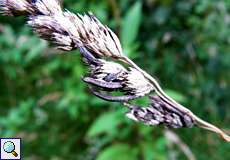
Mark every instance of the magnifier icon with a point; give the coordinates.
(9, 147)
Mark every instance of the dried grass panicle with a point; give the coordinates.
(95, 36)
(30, 7)
(55, 28)
(160, 113)
(45, 7)
(15, 7)
(112, 76)
(131, 80)
(63, 28)
(69, 31)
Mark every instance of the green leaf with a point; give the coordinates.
(176, 95)
(9, 37)
(130, 25)
(106, 123)
(118, 152)
(37, 49)
(147, 149)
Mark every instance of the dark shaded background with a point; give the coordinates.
(185, 44)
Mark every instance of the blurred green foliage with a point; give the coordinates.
(185, 44)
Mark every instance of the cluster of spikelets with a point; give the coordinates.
(63, 28)
(159, 112)
(96, 42)
(69, 31)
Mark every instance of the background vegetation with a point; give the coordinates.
(185, 44)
